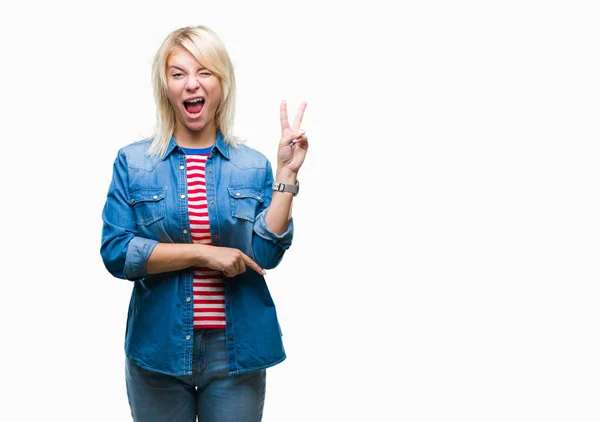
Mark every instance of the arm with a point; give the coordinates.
(274, 225)
(280, 210)
(177, 256)
(293, 146)
(123, 252)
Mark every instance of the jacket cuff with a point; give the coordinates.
(138, 252)
(284, 240)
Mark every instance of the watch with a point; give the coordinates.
(282, 187)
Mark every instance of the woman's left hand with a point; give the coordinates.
(293, 143)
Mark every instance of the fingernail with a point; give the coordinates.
(263, 272)
(301, 131)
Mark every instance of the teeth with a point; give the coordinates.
(195, 100)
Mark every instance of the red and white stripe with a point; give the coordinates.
(209, 287)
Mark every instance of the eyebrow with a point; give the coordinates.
(183, 70)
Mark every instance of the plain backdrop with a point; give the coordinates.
(445, 261)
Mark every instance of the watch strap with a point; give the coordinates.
(283, 187)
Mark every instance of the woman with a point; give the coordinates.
(193, 217)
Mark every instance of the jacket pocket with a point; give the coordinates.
(245, 201)
(148, 205)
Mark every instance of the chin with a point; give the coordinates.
(195, 127)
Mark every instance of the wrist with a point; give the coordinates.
(290, 188)
(285, 176)
(200, 258)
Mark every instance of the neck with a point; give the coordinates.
(202, 138)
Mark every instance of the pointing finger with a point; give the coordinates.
(250, 263)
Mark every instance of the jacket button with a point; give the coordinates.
(230, 337)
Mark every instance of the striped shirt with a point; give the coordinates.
(208, 285)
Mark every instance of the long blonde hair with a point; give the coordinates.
(208, 49)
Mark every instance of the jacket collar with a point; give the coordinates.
(220, 145)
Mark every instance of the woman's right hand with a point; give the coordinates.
(229, 261)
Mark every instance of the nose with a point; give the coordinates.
(192, 83)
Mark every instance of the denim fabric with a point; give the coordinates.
(147, 204)
(210, 392)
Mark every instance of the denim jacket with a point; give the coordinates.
(147, 204)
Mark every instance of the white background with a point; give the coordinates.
(445, 263)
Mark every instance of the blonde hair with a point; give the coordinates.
(208, 49)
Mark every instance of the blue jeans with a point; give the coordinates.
(209, 393)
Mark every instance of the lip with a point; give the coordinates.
(194, 98)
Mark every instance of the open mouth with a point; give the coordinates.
(194, 107)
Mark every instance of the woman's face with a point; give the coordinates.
(194, 92)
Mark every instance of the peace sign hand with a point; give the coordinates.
(294, 142)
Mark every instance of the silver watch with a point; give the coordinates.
(282, 187)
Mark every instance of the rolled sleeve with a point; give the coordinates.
(268, 246)
(138, 252)
(284, 240)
